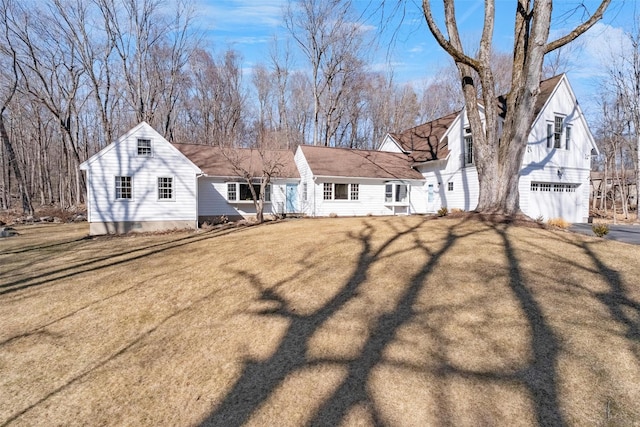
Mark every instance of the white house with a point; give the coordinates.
(348, 182)
(141, 182)
(554, 178)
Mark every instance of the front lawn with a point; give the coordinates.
(399, 321)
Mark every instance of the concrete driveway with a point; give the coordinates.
(621, 233)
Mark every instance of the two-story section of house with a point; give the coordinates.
(554, 177)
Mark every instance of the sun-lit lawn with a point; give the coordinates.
(399, 321)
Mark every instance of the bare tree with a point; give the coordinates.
(499, 154)
(9, 75)
(257, 167)
(331, 39)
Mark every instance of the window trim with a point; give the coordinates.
(150, 147)
(172, 188)
(329, 192)
(469, 157)
(236, 190)
(394, 194)
(118, 180)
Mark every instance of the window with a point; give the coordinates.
(549, 135)
(388, 193)
(231, 191)
(395, 193)
(123, 187)
(567, 137)
(553, 188)
(450, 186)
(557, 132)
(333, 191)
(468, 147)
(305, 192)
(355, 191)
(240, 192)
(341, 191)
(545, 187)
(328, 191)
(165, 188)
(534, 186)
(144, 147)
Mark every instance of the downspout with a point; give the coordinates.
(198, 175)
(314, 195)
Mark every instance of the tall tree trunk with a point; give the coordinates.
(27, 207)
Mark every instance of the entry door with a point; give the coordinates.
(431, 198)
(292, 198)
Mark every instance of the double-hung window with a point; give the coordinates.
(124, 188)
(332, 191)
(468, 150)
(165, 188)
(144, 147)
(567, 137)
(557, 132)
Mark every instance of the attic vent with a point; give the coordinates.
(467, 130)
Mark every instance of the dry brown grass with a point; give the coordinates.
(397, 321)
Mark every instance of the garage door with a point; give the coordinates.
(555, 200)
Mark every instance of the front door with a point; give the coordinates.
(431, 198)
(292, 198)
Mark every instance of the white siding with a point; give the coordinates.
(213, 198)
(388, 144)
(306, 177)
(121, 159)
(540, 164)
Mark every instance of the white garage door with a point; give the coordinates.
(554, 200)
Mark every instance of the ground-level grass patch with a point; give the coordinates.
(344, 321)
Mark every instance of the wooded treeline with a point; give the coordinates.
(76, 74)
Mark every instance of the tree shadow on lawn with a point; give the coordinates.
(622, 308)
(110, 260)
(260, 379)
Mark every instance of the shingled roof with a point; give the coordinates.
(213, 161)
(425, 142)
(344, 162)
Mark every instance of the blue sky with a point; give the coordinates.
(249, 26)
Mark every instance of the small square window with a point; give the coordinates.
(450, 186)
(144, 147)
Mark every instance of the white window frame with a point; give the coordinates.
(329, 191)
(392, 197)
(469, 157)
(171, 188)
(558, 126)
(118, 187)
(144, 148)
(235, 189)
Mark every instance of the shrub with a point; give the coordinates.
(457, 210)
(559, 223)
(333, 215)
(600, 230)
(443, 211)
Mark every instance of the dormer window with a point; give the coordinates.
(557, 132)
(144, 147)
